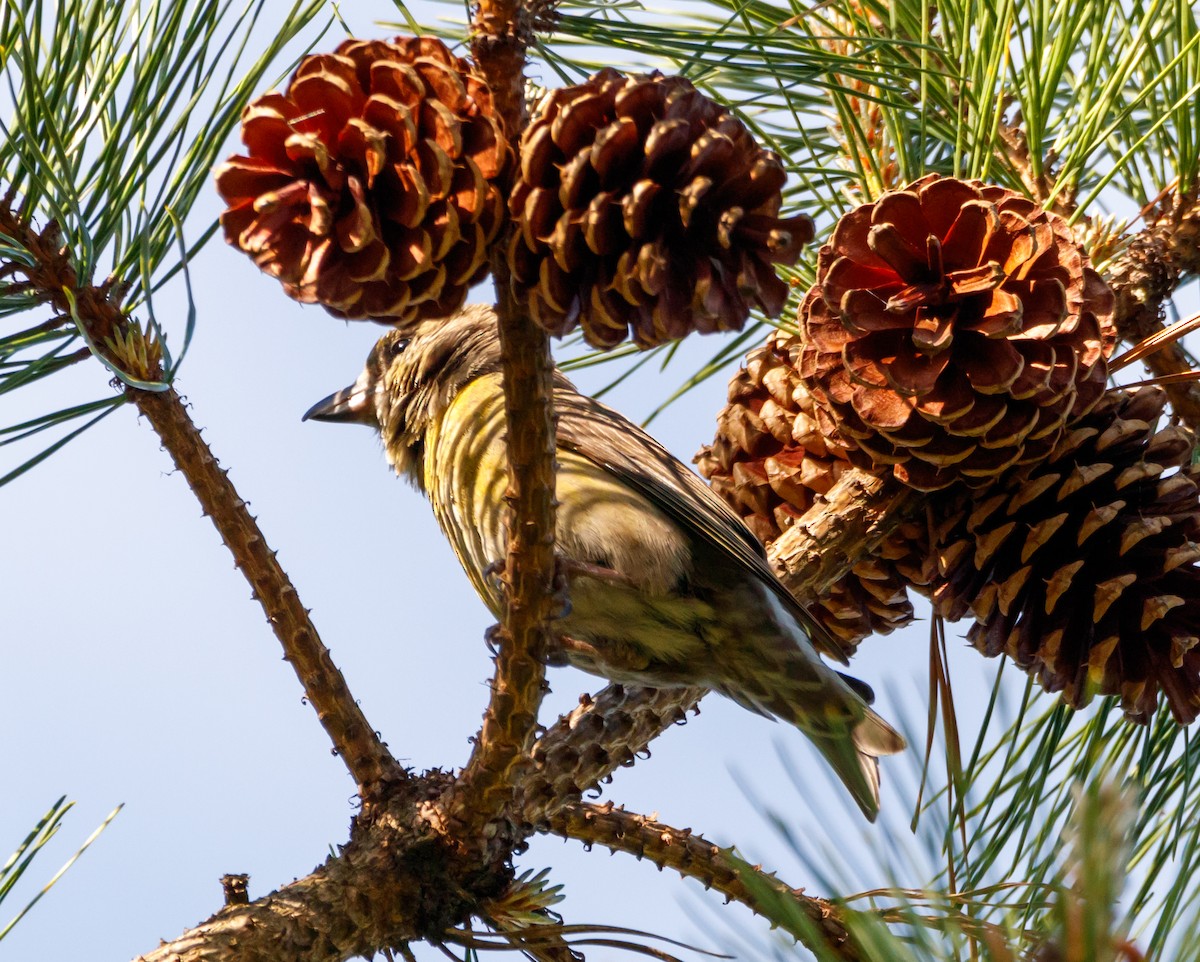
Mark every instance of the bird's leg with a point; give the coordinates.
(610, 656)
(569, 569)
(565, 571)
(605, 656)
(568, 650)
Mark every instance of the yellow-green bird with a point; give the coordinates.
(667, 586)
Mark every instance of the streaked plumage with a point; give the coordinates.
(693, 600)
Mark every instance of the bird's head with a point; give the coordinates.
(410, 379)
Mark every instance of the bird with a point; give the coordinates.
(666, 586)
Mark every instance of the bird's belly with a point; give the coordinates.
(465, 480)
(632, 636)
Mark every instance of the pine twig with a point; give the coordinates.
(842, 527)
(51, 278)
(1040, 186)
(587, 745)
(693, 856)
(486, 789)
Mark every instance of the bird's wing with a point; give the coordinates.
(607, 439)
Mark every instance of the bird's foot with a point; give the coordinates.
(566, 570)
(567, 650)
(494, 573)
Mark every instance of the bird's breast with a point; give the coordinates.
(465, 478)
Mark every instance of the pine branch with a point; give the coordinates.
(693, 856)
(405, 877)
(362, 751)
(486, 788)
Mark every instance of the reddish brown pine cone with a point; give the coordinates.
(644, 208)
(954, 331)
(370, 183)
(771, 463)
(1083, 569)
(769, 459)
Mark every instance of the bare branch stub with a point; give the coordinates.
(399, 879)
(487, 787)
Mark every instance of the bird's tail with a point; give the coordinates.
(777, 673)
(838, 720)
(854, 756)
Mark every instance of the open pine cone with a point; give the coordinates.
(771, 463)
(954, 331)
(1083, 569)
(769, 459)
(369, 184)
(644, 207)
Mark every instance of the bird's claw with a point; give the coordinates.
(494, 573)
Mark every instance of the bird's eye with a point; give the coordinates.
(398, 346)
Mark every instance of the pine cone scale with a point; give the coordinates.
(1085, 567)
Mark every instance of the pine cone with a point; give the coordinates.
(369, 185)
(769, 459)
(954, 331)
(1083, 569)
(644, 207)
(770, 462)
